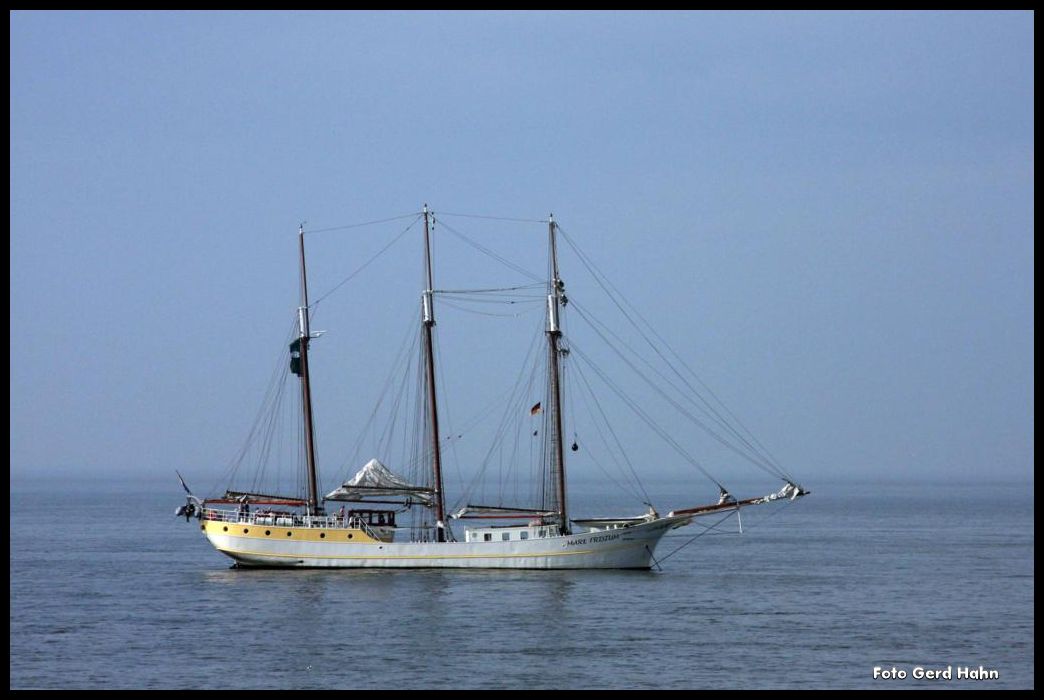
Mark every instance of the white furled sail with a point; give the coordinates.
(375, 479)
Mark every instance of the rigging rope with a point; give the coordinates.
(365, 223)
(410, 341)
(645, 417)
(505, 299)
(485, 291)
(707, 529)
(267, 409)
(754, 459)
(367, 263)
(616, 439)
(615, 296)
(486, 251)
(446, 424)
(533, 308)
(589, 318)
(518, 401)
(496, 218)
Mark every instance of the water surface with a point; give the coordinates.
(109, 590)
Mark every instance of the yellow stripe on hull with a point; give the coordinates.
(289, 534)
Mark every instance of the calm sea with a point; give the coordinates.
(110, 590)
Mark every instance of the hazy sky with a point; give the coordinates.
(830, 216)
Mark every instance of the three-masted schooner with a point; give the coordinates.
(267, 530)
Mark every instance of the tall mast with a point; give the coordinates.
(554, 332)
(428, 317)
(306, 389)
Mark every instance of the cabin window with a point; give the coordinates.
(505, 536)
(488, 537)
(543, 533)
(523, 535)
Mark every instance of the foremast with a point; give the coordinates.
(556, 298)
(428, 321)
(303, 338)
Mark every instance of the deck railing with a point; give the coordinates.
(283, 519)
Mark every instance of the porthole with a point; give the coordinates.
(268, 532)
(225, 528)
(349, 535)
(322, 535)
(246, 530)
(288, 533)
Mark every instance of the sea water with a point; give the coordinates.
(855, 586)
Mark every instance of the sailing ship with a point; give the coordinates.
(259, 529)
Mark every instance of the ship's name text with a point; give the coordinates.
(592, 538)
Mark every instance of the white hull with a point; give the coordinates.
(621, 548)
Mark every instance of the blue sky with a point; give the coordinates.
(829, 215)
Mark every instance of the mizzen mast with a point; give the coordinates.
(555, 298)
(428, 320)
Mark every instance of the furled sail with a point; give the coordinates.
(500, 512)
(375, 479)
(295, 357)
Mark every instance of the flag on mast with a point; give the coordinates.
(183, 484)
(535, 410)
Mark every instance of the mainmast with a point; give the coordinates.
(554, 299)
(428, 319)
(306, 390)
